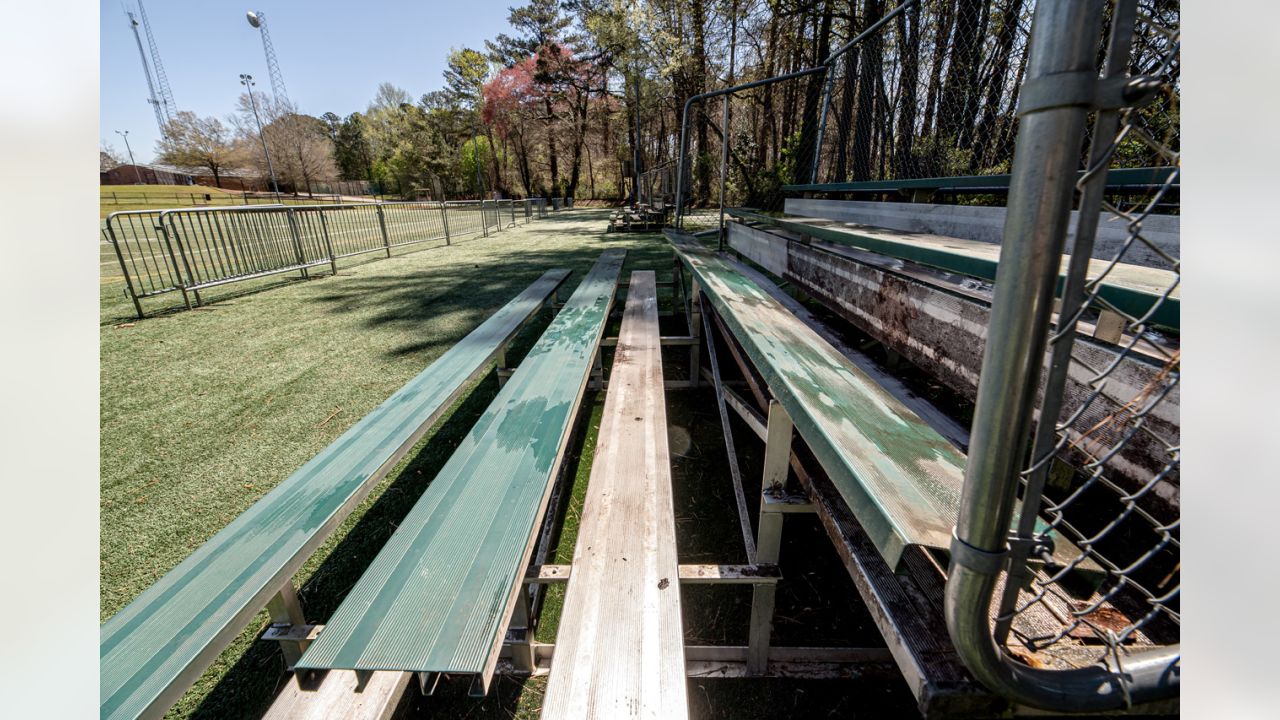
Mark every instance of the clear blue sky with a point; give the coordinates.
(332, 54)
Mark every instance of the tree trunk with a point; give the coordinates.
(698, 18)
(986, 133)
(868, 86)
(552, 159)
(962, 71)
(807, 158)
(909, 51)
(941, 42)
(844, 108)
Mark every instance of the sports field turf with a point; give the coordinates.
(203, 412)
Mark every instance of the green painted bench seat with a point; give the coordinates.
(439, 595)
(1130, 288)
(153, 649)
(900, 478)
(1117, 178)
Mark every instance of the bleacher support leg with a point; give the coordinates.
(520, 634)
(285, 608)
(695, 331)
(777, 458)
(597, 370)
(502, 369)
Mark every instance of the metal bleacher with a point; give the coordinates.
(153, 649)
(439, 596)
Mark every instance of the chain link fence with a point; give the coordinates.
(1085, 614)
(909, 101)
(1124, 529)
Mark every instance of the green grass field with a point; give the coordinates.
(203, 412)
(113, 198)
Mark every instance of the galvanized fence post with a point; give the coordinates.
(382, 225)
(297, 240)
(328, 246)
(724, 163)
(1055, 101)
(444, 218)
(128, 281)
(186, 265)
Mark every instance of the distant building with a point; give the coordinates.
(157, 174)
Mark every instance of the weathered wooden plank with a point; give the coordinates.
(339, 695)
(1130, 288)
(439, 595)
(153, 649)
(620, 649)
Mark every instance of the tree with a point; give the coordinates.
(191, 141)
(300, 147)
(108, 157)
(351, 151)
(465, 73)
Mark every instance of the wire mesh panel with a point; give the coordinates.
(350, 229)
(1118, 586)
(932, 94)
(1083, 593)
(465, 218)
(145, 258)
(224, 245)
(410, 223)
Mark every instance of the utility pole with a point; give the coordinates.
(247, 81)
(136, 171)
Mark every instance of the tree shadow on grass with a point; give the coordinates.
(472, 290)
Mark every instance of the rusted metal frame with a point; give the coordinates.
(912, 630)
(956, 346)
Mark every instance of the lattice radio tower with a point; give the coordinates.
(158, 92)
(259, 20)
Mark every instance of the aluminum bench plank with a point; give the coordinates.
(439, 595)
(1142, 178)
(152, 650)
(620, 648)
(899, 476)
(1131, 288)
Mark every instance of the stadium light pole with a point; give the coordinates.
(137, 173)
(247, 81)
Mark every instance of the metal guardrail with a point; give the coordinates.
(187, 250)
